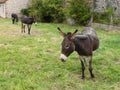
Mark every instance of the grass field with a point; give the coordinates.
(31, 62)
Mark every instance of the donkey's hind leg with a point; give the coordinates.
(83, 66)
(23, 28)
(13, 20)
(90, 66)
(29, 28)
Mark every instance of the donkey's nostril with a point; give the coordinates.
(63, 60)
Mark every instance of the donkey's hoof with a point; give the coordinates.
(82, 77)
(92, 76)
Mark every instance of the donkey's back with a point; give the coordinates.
(90, 32)
(27, 20)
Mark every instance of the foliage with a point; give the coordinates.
(79, 10)
(35, 9)
(25, 12)
(48, 10)
(58, 10)
(116, 21)
(110, 11)
(101, 17)
(105, 17)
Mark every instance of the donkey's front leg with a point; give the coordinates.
(90, 66)
(83, 67)
(29, 28)
(13, 20)
(23, 28)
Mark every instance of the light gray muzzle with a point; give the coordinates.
(63, 57)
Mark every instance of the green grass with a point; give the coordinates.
(31, 62)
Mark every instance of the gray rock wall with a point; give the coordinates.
(101, 5)
(15, 6)
(105, 27)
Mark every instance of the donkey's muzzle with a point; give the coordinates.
(63, 58)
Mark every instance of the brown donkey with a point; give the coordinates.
(84, 44)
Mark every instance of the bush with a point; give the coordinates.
(74, 11)
(79, 10)
(105, 17)
(48, 10)
(25, 12)
(59, 10)
(101, 18)
(56, 10)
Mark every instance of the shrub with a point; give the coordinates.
(48, 10)
(59, 10)
(25, 12)
(79, 10)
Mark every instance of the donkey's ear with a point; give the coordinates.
(73, 34)
(61, 32)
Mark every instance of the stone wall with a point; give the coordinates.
(101, 5)
(105, 27)
(15, 6)
(2, 10)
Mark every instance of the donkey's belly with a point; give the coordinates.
(84, 50)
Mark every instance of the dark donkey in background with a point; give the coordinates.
(14, 17)
(27, 21)
(84, 44)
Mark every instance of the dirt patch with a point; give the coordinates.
(118, 62)
(25, 48)
(1, 45)
(14, 33)
(5, 45)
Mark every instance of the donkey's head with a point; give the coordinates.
(33, 19)
(68, 45)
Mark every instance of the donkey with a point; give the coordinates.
(14, 17)
(84, 44)
(27, 21)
